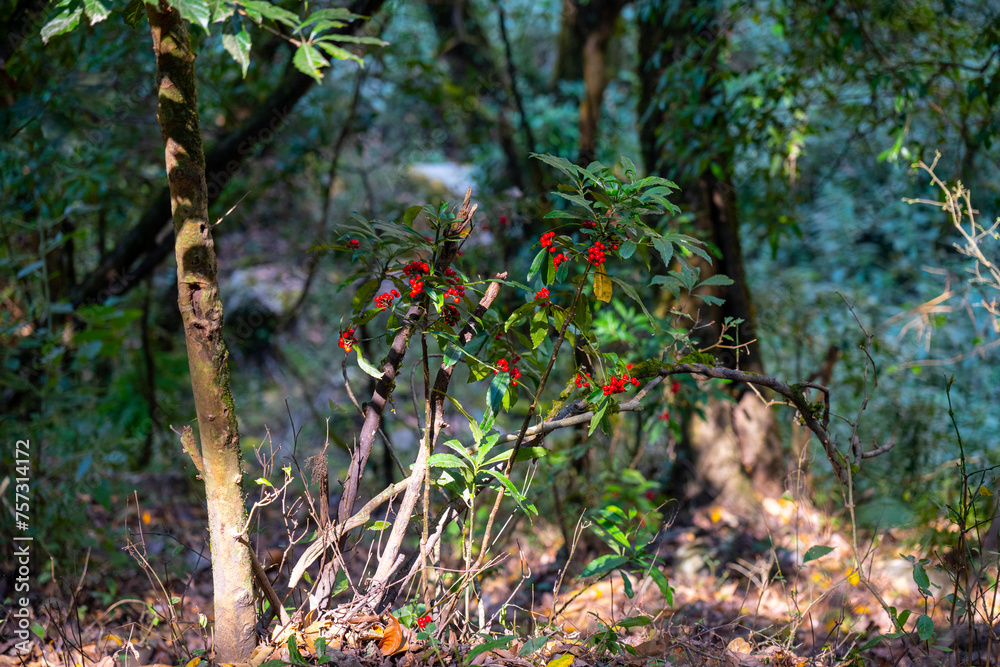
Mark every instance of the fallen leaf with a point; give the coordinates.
(392, 637)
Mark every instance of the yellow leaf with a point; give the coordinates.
(193, 662)
(716, 515)
(602, 285)
(146, 517)
(562, 661)
(983, 491)
(854, 577)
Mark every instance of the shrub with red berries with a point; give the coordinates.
(424, 621)
(384, 300)
(354, 244)
(542, 294)
(595, 254)
(581, 381)
(616, 385)
(503, 366)
(347, 339)
(450, 315)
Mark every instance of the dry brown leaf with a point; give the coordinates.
(740, 645)
(392, 637)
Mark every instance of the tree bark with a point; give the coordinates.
(201, 311)
(734, 451)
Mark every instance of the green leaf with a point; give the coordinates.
(560, 163)
(532, 645)
(512, 490)
(309, 61)
(499, 642)
(195, 11)
(717, 279)
(925, 627)
(238, 46)
(134, 13)
(66, 19)
(815, 552)
(221, 10)
(634, 622)
(665, 248)
(293, 651)
(603, 564)
(364, 295)
(335, 14)
(598, 415)
(411, 214)
(495, 394)
(632, 294)
(446, 460)
(627, 249)
(335, 51)
(96, 11)
(661, 582)
(518, 314)
(627, 583)
(920, 576)
(259, 8)
(366, 367)
(536, 263)
(357, 39)
(582, 318)
(539, 327)
(340, 582)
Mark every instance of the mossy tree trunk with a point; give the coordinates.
(733, 452)
(201, 311)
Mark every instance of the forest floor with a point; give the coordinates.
(742, 595)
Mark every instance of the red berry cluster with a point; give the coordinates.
(547, 240)
(542, 294)
(616, 385)
(595, 254)
(664, 417)
(581, 381)
(424, 621)
(450, 315)
(589, 224)
(503, 366)
(415, 271)
(353, 244)
(675, 387)
(457, 289)
(347, 340)
(384, 300)
(558, 259)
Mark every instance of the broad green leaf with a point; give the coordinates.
(516, 316)
(925, 627)
(364, 295)
(499, 642)
(512, 490)
(340, 582)
(661, 582)
(603, 287)
(411, 214)
(446, 460)
(582, 319)
(627, 249)
(815, 552)
(536, 263)
(335, 51)
(337, 14)
(494, 395)
(598, 415)
(66, 19)
(920, 577)
(96, 11)
(539, 327)
(238, 46)
(221, 10)
(717, 279)
(560, 163)
(195, 11)
(309, 61)
(665, 248)
(627, 584)
(632, 294)
(532, 645)
(260, 8)
(134, 13)
(366, 367)
(603, 564)
(477, 433)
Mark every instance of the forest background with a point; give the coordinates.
(793, 131)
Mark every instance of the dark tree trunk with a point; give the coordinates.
(734, 451)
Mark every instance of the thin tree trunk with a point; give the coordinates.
(201, 311)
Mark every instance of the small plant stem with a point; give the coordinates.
(527, 420)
